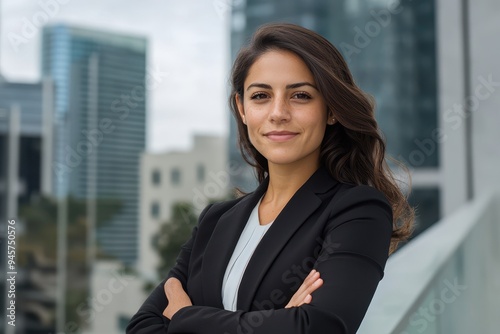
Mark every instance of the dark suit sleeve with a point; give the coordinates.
(355, 247)
(149, 318)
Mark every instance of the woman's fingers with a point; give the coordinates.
(176, 296)
(310, 283)
(313, 276)
(303, 295)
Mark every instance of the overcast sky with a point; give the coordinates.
(187, 39)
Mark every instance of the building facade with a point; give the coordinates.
(100, 116)
(25, 150)
(195, 176)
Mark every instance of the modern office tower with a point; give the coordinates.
(100, 116)
(25, 113)
(25, 149)
(391, 52)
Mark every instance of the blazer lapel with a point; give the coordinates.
(226, 234)
(294, 214)
(222, 243)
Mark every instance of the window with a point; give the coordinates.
(175, 176)
(155, 210)
(200, 173)
(156, 177)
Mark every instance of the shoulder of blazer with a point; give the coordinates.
(355, 193)
(360, 197)
(217, 209)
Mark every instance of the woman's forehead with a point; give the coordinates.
(278, 68)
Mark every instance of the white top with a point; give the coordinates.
(249, 239)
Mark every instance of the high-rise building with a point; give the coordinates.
(100, 117)
(390, 48)
(25, 150)
(25, 110)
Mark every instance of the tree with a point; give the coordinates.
(37, 250)
(173, 234)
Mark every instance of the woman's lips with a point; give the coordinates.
(280, 136)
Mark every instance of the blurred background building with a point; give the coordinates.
(25, 132)
(195, 176)
(24, 108)
(100, 117)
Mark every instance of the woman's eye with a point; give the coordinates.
(302, 96)
(258, 96)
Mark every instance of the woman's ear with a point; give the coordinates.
(330, 120)
(241, 110)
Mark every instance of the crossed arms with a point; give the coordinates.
(334, 303)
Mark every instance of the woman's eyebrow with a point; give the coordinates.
(300, 84)
(290, 86)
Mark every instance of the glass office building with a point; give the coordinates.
(26, 98)
(391, 52)
(100, 116)
(22, 139)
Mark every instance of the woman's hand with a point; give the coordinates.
(303, 295)
(177, 297)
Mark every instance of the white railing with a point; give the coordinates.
(447, 280)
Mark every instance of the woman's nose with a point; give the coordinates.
(279, 111)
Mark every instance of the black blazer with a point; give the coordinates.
(341, 230)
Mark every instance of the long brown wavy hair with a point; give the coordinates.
(353, 148)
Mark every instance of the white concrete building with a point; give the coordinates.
(114, 300)
(194, 176)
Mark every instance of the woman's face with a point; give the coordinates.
(284, 112)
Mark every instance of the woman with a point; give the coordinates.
(305, 251)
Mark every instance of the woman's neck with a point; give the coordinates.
(285, 180)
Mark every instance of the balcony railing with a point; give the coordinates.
(447, 280)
